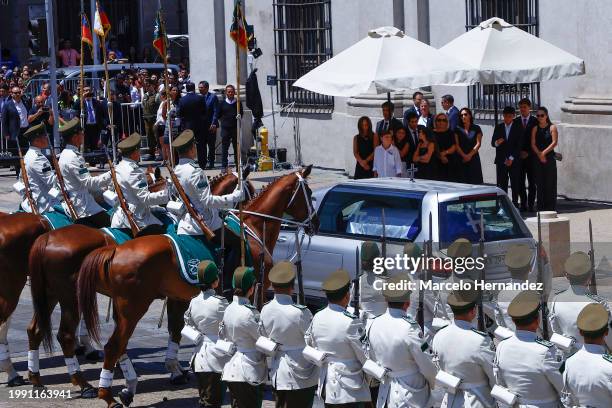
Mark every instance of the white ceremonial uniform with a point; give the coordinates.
(194, 182)
(133, 183)
(394, 343)
(241, 327)
(587, 378)
(80, 183)
(565, 308)
(461, 350)
(42, 179)
(205, 314)
(372, 303)
(433, 305)
(337, 332)
(285, 323)
(500, 307)
(530, 367)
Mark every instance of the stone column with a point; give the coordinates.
(203, 51)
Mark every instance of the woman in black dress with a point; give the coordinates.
(448, 169)
(424, 156)
(363, 148)
(468, 137)
(401, 142)
(544, 138)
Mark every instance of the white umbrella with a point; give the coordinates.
(386, 60)
(505, 54)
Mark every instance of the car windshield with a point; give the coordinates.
(461, 219)
(358, 212)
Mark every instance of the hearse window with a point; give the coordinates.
(357, 212)
(461, 219)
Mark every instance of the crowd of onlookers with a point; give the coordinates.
(445, 147)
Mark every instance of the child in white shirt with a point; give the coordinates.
(387, 160)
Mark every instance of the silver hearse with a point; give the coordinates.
(351, 212)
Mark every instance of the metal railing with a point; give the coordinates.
(302, 41)
(487, 101)
(34, 86)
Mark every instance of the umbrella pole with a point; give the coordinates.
(495, 107)
(389, 97)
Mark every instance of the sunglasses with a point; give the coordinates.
(441, 120)
(465, 114)
(541, 115)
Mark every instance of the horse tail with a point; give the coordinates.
(94, 264)
(38, 286)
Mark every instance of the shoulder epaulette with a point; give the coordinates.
(483, 334)
(318, 310)
(544, 342)
(596, 298)
(134, 165)
(250, 306)
(349, 314)
(46, 169)
(409, 319)
(202, 183)
(195, 164)
(83, 171)
(608, 357)
(301, 307)
(220, 297)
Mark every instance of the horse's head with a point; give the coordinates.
(300, 205)
(225, 183)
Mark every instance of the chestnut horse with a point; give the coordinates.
(137, 272)
(55, 260)
(17, 234)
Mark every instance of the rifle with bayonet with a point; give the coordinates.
(424, 276)
(122, 201)
(298, 267)
(383, 242)
(259, 292)
(481, 241)
(593, 285)
(356, 294)
(60, 181)
(26, 181)
(543, 303)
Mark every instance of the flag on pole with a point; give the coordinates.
(160, 40)
(238, 30)
(101, 22)
(86, 35)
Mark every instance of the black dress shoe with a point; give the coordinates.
(17, 382)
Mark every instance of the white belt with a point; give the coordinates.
(402, 373)
(246, 350)
(468, 386)
(290, 348)
(210, 338)
(330, 359)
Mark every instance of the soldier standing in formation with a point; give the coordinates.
(245, 373)
(588, 373)
(465, 353)
(293, 378)
(337, 333)
(78, 181)
(527, 365)
(205, 313)
(393, 341)
(371, 301)
(132, 180)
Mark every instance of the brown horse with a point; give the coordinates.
(137, 272)
(17, 234)
(55, 260)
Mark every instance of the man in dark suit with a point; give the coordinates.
(15, 119)
(389, 122)
(96, 118)
(526, 122)
(448, 104)
(412, 134)
(192, 111)
(417, 97)
(508, 142)
(206, 148)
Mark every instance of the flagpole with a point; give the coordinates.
(81, 79)
(162, 28)
(109, 104)
(238, 153)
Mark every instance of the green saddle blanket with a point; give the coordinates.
(233, 224)
(189, 251)
(57, 219)
(119, 235)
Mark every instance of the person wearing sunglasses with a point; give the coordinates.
(15, 118)
(507, 141)
(544, 138)
(449, 169)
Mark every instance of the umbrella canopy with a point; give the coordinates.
(386, 60)
(505, 54)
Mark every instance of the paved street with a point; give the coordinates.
(147, 345)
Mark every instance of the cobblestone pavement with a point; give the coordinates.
(147, 345)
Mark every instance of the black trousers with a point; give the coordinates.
(512, 174)
(228, 136)
(302, 398)
(546, 181)
(210, 389)
(231, 259)
(149, 126)
(92, 136)
(245, 395)
(98, 220)
(528, 193)
(206, 148)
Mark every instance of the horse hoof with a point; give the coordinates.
(180, 379)
(126, 397)
(94, 356)
(17, 382)
(89, 392)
